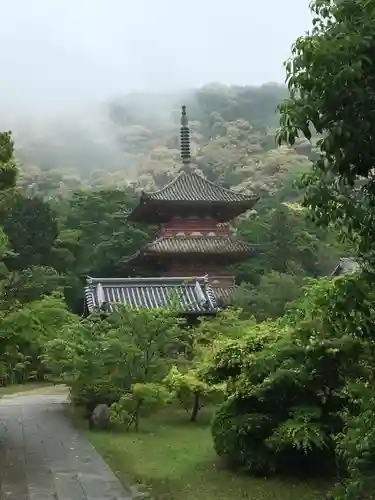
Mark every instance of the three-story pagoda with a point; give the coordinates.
(194, 243)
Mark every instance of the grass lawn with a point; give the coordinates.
(29, 387)
(176, 461)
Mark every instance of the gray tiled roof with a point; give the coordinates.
(195, 294)
(223, 295)
(194, 187)
(346, 265)
(198, 244)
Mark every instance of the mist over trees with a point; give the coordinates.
(134, 138)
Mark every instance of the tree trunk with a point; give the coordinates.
(137, 415)
(195, 410)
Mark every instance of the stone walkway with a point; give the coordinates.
(42, 456)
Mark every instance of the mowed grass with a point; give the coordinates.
(28, 387)
(175, 461)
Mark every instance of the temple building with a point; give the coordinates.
(193, 246)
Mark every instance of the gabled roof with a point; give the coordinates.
(192, 187)
(194, 294)
(198, 244)
(346, 265)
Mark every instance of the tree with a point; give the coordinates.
(270, 297)
(29, 285)
(142, 400)
(94, 239)
(191, 391)
(103, 234)
(101, 358)
(24, 333)
(8, 170)
(331, 76)
(288, 382)
(31, 228)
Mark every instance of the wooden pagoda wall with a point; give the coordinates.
(218, 276)
(186, 227)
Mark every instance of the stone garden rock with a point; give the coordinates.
(99, 419)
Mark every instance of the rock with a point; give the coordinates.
(99, 418)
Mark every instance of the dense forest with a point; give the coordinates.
(289, 368)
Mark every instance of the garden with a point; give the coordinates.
(231, 406)
(271, 400)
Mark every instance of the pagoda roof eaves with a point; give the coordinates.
(194, 293)
(193, 187)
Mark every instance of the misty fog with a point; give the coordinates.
(62, 61)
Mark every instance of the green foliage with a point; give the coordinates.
(330, 78)
(95, 238)
(303, 430)
(31, 228)
(356, 444)
(289, 248)
(28, 285)
(24, 334)
(226, 324)
(191, 391)
(270, 297)
(8, 170)
(142, 400)
(101, 358)
(287, 381)
(4, 243)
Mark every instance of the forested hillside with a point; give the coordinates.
(136, 138)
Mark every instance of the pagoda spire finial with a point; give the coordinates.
(185, 139)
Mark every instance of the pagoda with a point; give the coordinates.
(194, 236)
(193, 246)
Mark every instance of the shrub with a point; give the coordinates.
(239, 437)
(141, 401)
(192, 392)
(356, 444)
(25, 331)
(288, 383)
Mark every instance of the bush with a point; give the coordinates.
(288, 383)
(192, 392)
(239, 435)
(141, 401)
(25, 331)
(89, 395)
(356, 444)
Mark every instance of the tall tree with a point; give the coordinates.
(8, 170)
(31, 228)
(331, 79)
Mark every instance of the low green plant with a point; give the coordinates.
(142, 400)
(191, 391)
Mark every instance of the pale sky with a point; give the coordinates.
(64, 51)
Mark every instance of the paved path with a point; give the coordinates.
(42, 456)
